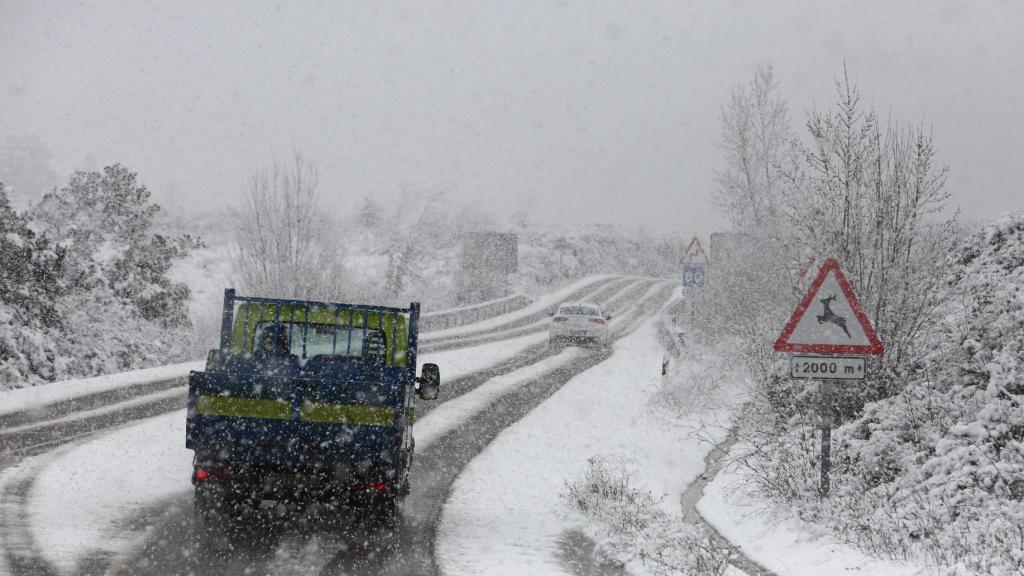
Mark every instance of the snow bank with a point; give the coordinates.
(510, 523)
(777, 539)
(25, 399)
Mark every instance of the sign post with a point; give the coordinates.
(832, 345)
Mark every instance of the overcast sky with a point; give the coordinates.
(571, 111)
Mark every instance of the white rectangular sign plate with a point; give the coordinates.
(822, 367)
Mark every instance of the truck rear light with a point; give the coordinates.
(203, 475)
(560, 318)
(597, 320)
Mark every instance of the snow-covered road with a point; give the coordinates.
(80, 514)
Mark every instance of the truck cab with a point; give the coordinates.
(306, 402)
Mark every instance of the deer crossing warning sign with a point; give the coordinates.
(829, 319)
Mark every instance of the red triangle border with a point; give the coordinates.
(700, 250)
(874, 348)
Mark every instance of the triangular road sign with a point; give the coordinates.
(694, 254)
(838, 326)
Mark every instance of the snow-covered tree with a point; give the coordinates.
(104, 221)
(30, 269)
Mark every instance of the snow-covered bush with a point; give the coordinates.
(945, 459)
(84, 287)
(104, 221)
(30, 269)
(629, 527)
(936, 471)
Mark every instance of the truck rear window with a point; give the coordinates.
(318, 341)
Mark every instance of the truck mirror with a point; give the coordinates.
(429, 381)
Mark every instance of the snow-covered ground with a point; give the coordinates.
(780, 541)
(83, 498)
(511, 522)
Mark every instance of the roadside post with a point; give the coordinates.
(830, 347)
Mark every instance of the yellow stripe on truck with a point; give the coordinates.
(243, 407)
(347, 414)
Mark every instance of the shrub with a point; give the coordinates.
(631, 527)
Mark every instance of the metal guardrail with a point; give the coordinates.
(475, 313)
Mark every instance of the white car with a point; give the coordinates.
(581, 323)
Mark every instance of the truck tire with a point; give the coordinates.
(388, 511)
(212, 519)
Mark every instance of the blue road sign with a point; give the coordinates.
(693, 275)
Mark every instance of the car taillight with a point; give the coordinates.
(372, 486)
(560, 318)
(597, 320)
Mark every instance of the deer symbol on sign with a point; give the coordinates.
(832, 317)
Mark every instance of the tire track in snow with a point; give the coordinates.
(20, 553)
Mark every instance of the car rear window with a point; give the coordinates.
(579, 311)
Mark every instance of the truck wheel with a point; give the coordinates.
(388, 511)
(212, 519)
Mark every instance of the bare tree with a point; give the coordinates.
(873, 198)
(284, 248)
(756, 140)
(867, 194)
(750, 288)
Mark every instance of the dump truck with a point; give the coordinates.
(305, 404)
